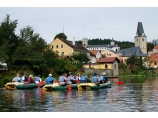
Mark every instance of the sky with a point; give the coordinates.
(84, 20)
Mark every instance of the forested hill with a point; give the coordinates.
(121, 44)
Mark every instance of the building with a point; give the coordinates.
(108, 65)
(128, 52)
(140, 39)
(101, 48)
(97, 54)
(66, 48)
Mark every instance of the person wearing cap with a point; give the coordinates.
(105, 78)
(95, 79)
(102, 78)
(49, 79)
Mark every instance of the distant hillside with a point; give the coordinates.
(122, 45)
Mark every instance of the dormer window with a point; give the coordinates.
(142, 39)
(56, 46)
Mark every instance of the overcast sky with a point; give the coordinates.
(119, 23)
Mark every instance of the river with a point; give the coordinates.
(134, 95)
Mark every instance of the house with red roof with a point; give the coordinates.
(155, 49)
(97, 55)
(107, 64)
(153, 60)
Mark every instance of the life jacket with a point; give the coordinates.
(83, 78)
(101, 77)
(61, 79)
(94, 79)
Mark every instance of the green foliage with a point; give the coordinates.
(121, 66)
(141, 63)
(79, 57)
(133, 60)
(61, 36)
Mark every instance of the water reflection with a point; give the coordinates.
(134, 95)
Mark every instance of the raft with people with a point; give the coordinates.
(97, 82)
(56, 87)
(93, 86)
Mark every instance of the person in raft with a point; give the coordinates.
(71, 79)
(62, 80)
(49, 79)
(17, 78)
(83, 78)
(30, 79)
(95, 79)
(38, 79)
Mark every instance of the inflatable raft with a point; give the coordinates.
(56, 86)
(26, 86)
(93, 86)
(11, 85)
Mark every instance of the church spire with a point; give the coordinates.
(140, 30)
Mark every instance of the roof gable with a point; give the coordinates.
(94, 52)
(108, 60)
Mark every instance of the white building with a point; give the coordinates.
(101, 48)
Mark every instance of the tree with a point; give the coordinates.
(140, 63)
(133, 60)
(79, 57)
(150, 46)
(8, 40)
(154, 42)
(61, 36)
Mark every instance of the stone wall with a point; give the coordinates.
(108, 72)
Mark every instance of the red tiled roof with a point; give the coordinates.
(94, 51)
(108, 59)
(155, 47)
(154, 57)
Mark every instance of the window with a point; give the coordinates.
(137, 39)
(56, 46)
(62, 46)
(62, 53)
(52, 46)
(106, 66)
(114, 66)
(109, 54)
(155, 63)
(142, 39)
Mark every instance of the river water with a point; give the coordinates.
(134, 95)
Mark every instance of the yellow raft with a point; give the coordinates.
(11, 85)
(56, 86)
(93, 86)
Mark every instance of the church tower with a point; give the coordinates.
(140, 39)
(85, 42)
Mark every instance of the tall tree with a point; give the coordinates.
(8, 39)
